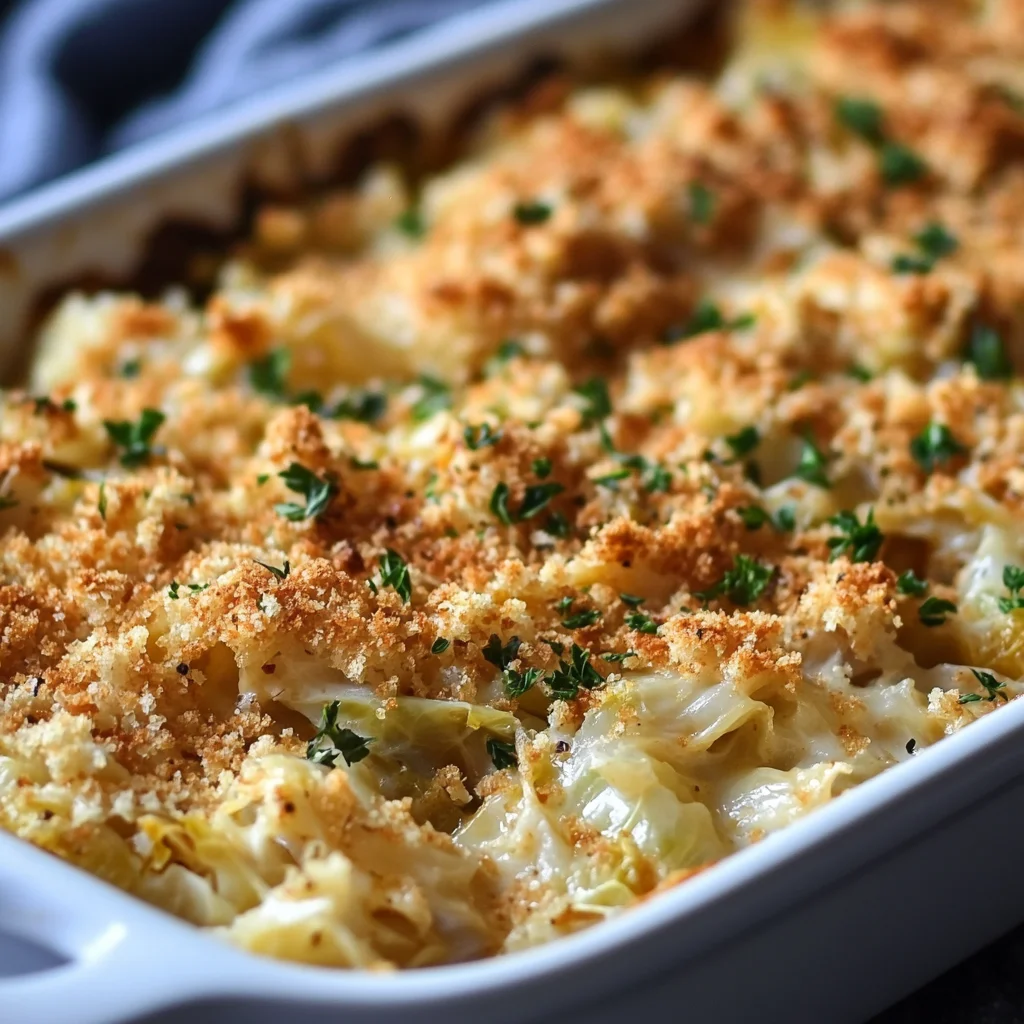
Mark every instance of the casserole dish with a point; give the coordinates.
(754, 916)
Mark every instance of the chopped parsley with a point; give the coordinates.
(558, 526)
(754, 517)
(862, 117)
(611, 480)
(986, 350)
(440, 645)
(706, 317)
(582, 619)
(933, 242)
(933, 611)
(173, 591)
(530, 212)
(642, 623)
(501, 655)
(632, 600)
(436, 396)
(657, 479)
(502, 754)
(743, 584)
(994, 690)
(900, 165)
(330, 740)
(269, 375)
(542, 467)
(281, 573)
(785, 519)
(935, 446)
(535, 498)
(744, 441)
(861, 541)
(410, 223)
(135, 438)
(482, 436)
(516, 683)
(617, 657)
(394, 573)
(363, 406)
(565, 682)
(1013, 580)
(908, 583)
(812, 464)
(507, 351)
(317, 492)
(702, 203)
(595, 394)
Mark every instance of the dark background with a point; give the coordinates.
(154, 41)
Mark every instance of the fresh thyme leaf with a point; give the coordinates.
(743, 584)
(499, 503)
(502, 754)
(563, 604)
(861, 541)
(101, 505)
(339, 740)
(357, 463)
(908, 583)
(986, 350)
(281, 573)
(908, 264)
(611, 480)
(994, 690)
(174, 590)
(542, 467)
(558, 526)
(317, 492)
(744, 441)
(535, 498)
(702, 203)
(595, 394)
(530, 212)
(482, 436)
(135, 438)
(394, 573)
(753, 516)
(131, 368)
(859, 372)
(269, 375)
(862, 117)
(632, 600)
(501, 655)
(935, 446)
(657, 479)
(933, 611)
(582, 619)
(785, 519)
(900, 165)
(565, 682)
(641, 623)
(435, 398)
(812, 465)
(800, 378)
(440, 645)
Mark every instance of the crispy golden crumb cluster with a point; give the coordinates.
(489, 554)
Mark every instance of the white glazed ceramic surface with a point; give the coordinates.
(828, 920)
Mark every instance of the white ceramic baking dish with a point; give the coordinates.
(827, 921)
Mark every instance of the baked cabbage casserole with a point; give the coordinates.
(484, 557)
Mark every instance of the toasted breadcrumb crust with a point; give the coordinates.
(741, 267)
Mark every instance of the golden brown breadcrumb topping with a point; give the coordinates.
(595, 507)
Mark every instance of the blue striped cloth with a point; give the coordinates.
(80, 78)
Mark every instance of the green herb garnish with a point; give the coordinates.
(862, 117)
(900, 165)
(410, 223)
(986, 350)
(861, 541)
(935, 446)
(933, 611)
(269, 375)
(581, 620)
(908, 583)
(702, 203)
(501, 655)
(994, 690)
(642, 623)
(135, 438)
(435, 398)
(1013, 580)
(440, 645)
(595, 394)
(565, 682)
(482, 436)
(530, 212)
(813, 462)
(743, 584)
(394, 573)
(317, 492)
(502, 754)
(542, 467)
(744, 441)
(351, 746)
(281, 573)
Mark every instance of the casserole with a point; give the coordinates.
(720, 915)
